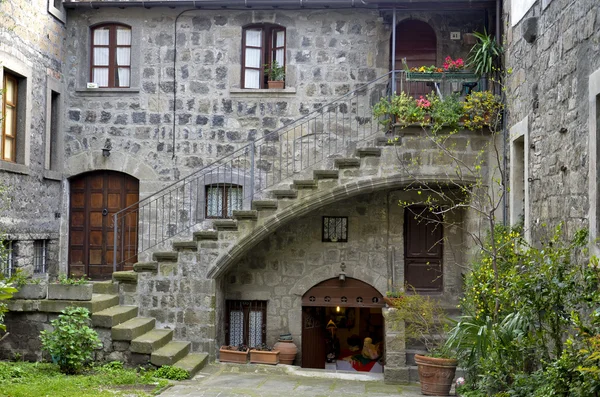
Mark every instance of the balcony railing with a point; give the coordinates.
(420, 84)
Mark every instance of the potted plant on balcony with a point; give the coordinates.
(484, 57)
(401, 110)
(483, 109)
(425, 322)
(264, 355)
(233, 354)
(75, 289)
(275, 75)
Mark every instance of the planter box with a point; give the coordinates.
(262, 357)
(81, 292)
(31, 291)
(233, 356)
(275, 84)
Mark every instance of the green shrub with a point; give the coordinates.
(173, 373)
(64, 280)
(72, 341)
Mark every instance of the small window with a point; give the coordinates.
(52, 131)
(262, 44)
(7, 259)
(246, 323)
(335, 229)
(10, 117)
(222, 200)
(40, 256)
(111, 56)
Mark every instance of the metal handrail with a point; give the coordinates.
(258, 165)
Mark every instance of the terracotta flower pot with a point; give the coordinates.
(435, 374)
(287, 351)
(264, 357)
(232, 356)
(278, 84)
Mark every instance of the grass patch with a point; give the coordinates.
(110, 380)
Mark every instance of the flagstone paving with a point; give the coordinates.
(251, 380)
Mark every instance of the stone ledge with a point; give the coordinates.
(253, 92)
(14, 167)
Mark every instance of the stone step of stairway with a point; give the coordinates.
(251, 215)
(261, 205)
(288, 194)
(98, 303)
(206, 235)
(225, 224)
(127, 277)
(133, 328)
(151, 341)
(115, 315)
(326, 174)
(105, 287)
(141, 267)
(166, 256)
(369, 152)
(185, 245)
(347, 162)
(192, 363)
(170, 353)
(305, 184)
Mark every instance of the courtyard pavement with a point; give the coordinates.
(255, 380)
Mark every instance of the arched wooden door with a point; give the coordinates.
(95, 197)
(351, 293)
(415, 41)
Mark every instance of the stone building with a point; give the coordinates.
(226, 211)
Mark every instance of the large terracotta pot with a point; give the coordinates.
(435, 374)
(287, 351)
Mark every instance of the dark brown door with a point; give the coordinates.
(423, 250)
(94, 198)
(313, 337)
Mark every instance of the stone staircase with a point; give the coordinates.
(139, 335)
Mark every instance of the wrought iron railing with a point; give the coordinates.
(442, 84)
(234, 180)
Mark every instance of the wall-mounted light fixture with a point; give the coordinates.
(342, 276)
(107, 148)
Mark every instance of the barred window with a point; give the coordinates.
(246, 323)
(335, 229)
(222, 200)
(40, 256)
(7, 261)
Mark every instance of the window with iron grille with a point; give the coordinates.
(40, 256)
(246, 323)
(7, 259)
(222, 200)
(335, 229)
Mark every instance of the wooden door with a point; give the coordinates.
(313, 337)
(95, 197)
(423, 250)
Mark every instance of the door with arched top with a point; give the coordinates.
(94, 198)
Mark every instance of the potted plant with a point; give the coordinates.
(233, 354)
(76, 289)
(287, 349)
(483, 109)
(275, 75)
(264, 355)
(28, 287)
(401, 109)
(484, 57)
(426, 323)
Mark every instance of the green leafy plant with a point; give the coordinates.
(446, 112)
(483, 109)
(6, 292)
(275, 71)
(484, 57)
(401, 109)
(172, 373)
(64, 280)
(71, 342)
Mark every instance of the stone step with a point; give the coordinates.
(245, 215)
(261, 205)
(225, 224)
(206, 235)
(98, 303)
(281, 194)
(326, 174)
(185, 245)
(112, 316)
(305, 184)
(133, 328)
(127, 277)
(166, 256)
(141, 267)
(106, 287)
(369, 152)
(347, 162)
(170, 353)
(192, 363)
(151, 341)
(381, 141)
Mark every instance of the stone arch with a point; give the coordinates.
(401, 20)
(359, 293)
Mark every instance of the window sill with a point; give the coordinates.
(262, 92)
(14, 168)
(52, 175)
(104, 91)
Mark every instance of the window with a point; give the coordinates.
(335, 229)
(222, 200)
(7, 259)
(10, 117)
(246, 323)
(111, 56)
(40, 256)
(261, 45)
(52, 130)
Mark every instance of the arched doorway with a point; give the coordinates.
(337, 317)
(94, 198)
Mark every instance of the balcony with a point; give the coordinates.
(417, 84)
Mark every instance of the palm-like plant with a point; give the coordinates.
(485, 55)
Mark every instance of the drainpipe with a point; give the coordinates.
(393, 55)
(504, 130)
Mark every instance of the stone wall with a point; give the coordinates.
(549, 88)
(31, 47)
